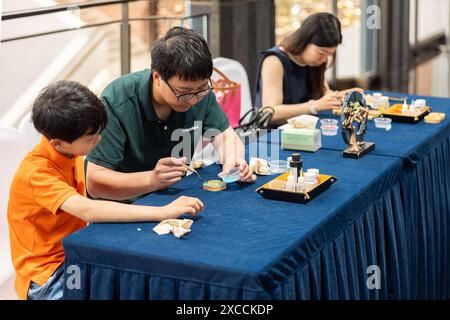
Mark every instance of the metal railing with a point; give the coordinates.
(125, 26)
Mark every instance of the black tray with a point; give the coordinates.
(389, 113)
(299, 197)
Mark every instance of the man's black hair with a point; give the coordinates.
(67, 110)
(183, 52)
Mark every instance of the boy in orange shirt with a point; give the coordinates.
(48, 198)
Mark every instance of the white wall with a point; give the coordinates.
(349, 53)
(433, 18)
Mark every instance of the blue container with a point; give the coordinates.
(233, 176)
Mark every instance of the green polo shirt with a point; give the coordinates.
(135, 138)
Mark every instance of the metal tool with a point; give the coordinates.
(194, 171)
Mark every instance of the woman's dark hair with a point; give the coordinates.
(67, 110)
(183, 52)
(322, 30)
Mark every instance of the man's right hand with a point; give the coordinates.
(167, 172)
(182, 205)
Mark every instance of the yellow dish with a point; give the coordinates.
(214, 185)
(435, 117)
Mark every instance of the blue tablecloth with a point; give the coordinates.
(411, 142)
(242, 246)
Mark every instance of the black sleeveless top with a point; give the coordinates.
(295, 83)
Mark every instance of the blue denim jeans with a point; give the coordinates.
(51, 290)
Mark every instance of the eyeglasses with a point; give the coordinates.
(188, 96)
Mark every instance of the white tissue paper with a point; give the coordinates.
(259, 166)
(304, 121)
(178, 227)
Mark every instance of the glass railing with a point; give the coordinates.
(75, 41)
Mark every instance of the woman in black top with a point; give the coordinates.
(291, 76)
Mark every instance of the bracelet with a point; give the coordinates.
(311, 107)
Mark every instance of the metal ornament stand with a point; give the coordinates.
(354, 112)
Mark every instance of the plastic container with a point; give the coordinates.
(329, 130)
(383, 104)
(310, 177)
(376, 100)
(278, 166)
(329, 127)
(419, 104)
(291, 184)
(383, 123)
(233, 176)
(308, 185)
(277, 184)
(301, 184)
(328, 122)
(316, 173)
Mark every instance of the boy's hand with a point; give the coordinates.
(245, 172)
(167, 172)
(182, 205)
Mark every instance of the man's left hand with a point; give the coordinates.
(245, 172)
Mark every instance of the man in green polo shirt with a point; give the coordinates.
(150, 111)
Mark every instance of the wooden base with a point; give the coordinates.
(368, 147)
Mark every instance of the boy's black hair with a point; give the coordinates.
(67, 110)
(183, 52)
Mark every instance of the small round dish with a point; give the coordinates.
(233, 176)
(383, 123)
(214, 185)
(278, 166)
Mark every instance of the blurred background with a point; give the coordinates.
(399, 46)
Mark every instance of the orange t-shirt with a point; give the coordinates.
(37, 225)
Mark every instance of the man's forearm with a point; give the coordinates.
(108, 184)
(229, 147)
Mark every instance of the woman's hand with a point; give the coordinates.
(329, 101)
(342, 93)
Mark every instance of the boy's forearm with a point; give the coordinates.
(97, 211)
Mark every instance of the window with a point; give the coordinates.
(430, 77)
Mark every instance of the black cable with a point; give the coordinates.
(257, 119)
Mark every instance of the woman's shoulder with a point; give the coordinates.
(272, 62)
(276, 58)
(275, 51)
